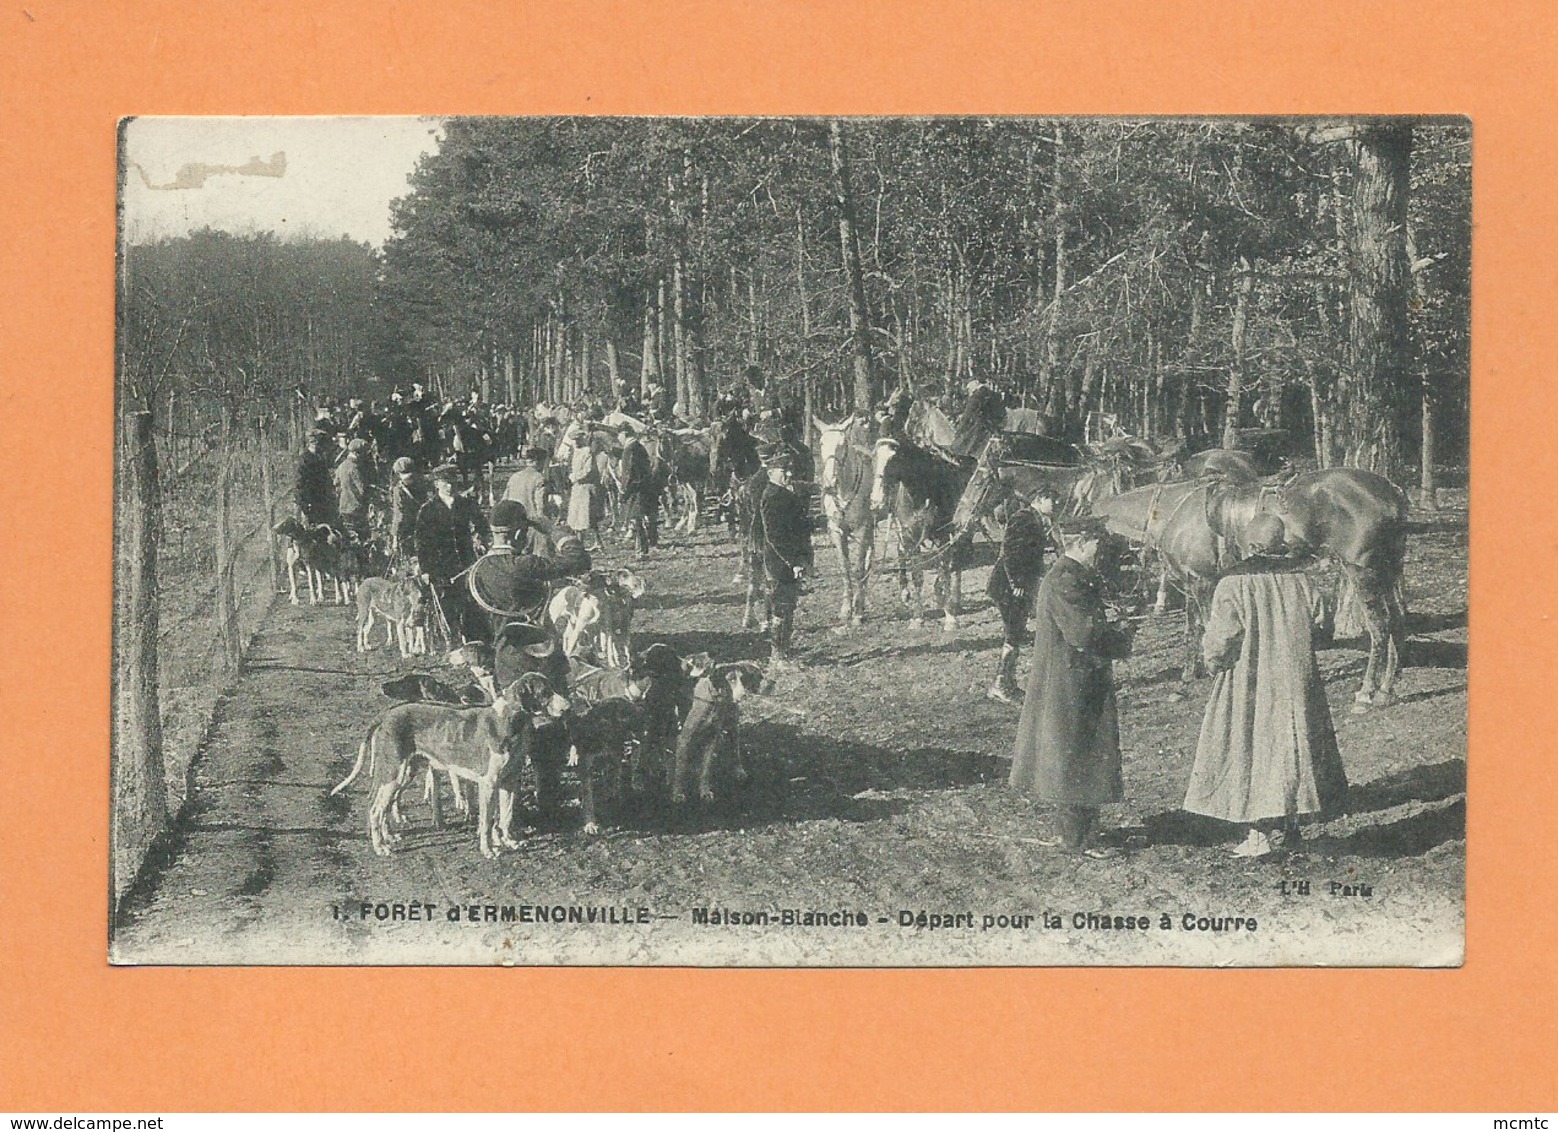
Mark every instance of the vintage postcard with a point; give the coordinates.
(770, 542)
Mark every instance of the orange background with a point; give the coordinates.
(78, 1035)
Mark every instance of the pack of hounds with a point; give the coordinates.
(651, 728)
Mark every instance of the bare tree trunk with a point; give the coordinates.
(755, 335)
(1231, 407)
(1373, 393)
(510, 386)
(613, 368)
(648, 368)
(679, 328)
(808, 379)
(663, 367)
(140, 808)
(1428, 487)
(865, 391)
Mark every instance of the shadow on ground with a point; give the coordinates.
(793, 776)
(1407, 836)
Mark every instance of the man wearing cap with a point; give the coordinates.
(510, 585)
(315, 491)
(407, 494)
(351, 491)
(1014, 579)
(639, 500)
(1267, 753)
(448, 526)
(781, 533)
(1067, 752)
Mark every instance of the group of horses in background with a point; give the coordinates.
(1188, 513)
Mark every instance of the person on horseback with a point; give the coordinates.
(1013, 581)
(984, 415)
(1267, 753)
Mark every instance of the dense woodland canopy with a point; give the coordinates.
(1186, 277)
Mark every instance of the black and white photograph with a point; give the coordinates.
(791, 542)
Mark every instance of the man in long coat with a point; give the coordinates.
(639, 498)
(1067, 752)
(1267, 753)
(407, 494)
(529, 488)
(315, 492)
(448, 526)
(351, 491)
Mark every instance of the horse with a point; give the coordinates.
(1353, 517)
(923, 488)
(685, 453)
(1022, 465)
(847, 475)
(733, 461)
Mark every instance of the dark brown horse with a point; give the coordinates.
(922, 488)
(1355, 518)
(1023, 465)
(733, 461)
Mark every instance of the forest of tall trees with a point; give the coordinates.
(1187, 277)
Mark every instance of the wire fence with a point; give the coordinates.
(196, 558)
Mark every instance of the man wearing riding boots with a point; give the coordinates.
(448, 526)
(1067, 752)
(781, 525)
(1267, 752)
(1013, 582)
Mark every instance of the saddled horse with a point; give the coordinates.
(1355, 518)
(1022, 465)
(848, 470)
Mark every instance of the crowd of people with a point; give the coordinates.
(1266, 756)
(409, 476)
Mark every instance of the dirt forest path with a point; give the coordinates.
(877, 795)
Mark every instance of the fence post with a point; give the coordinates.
(226, 602)
(268, 490)
(140, 808)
